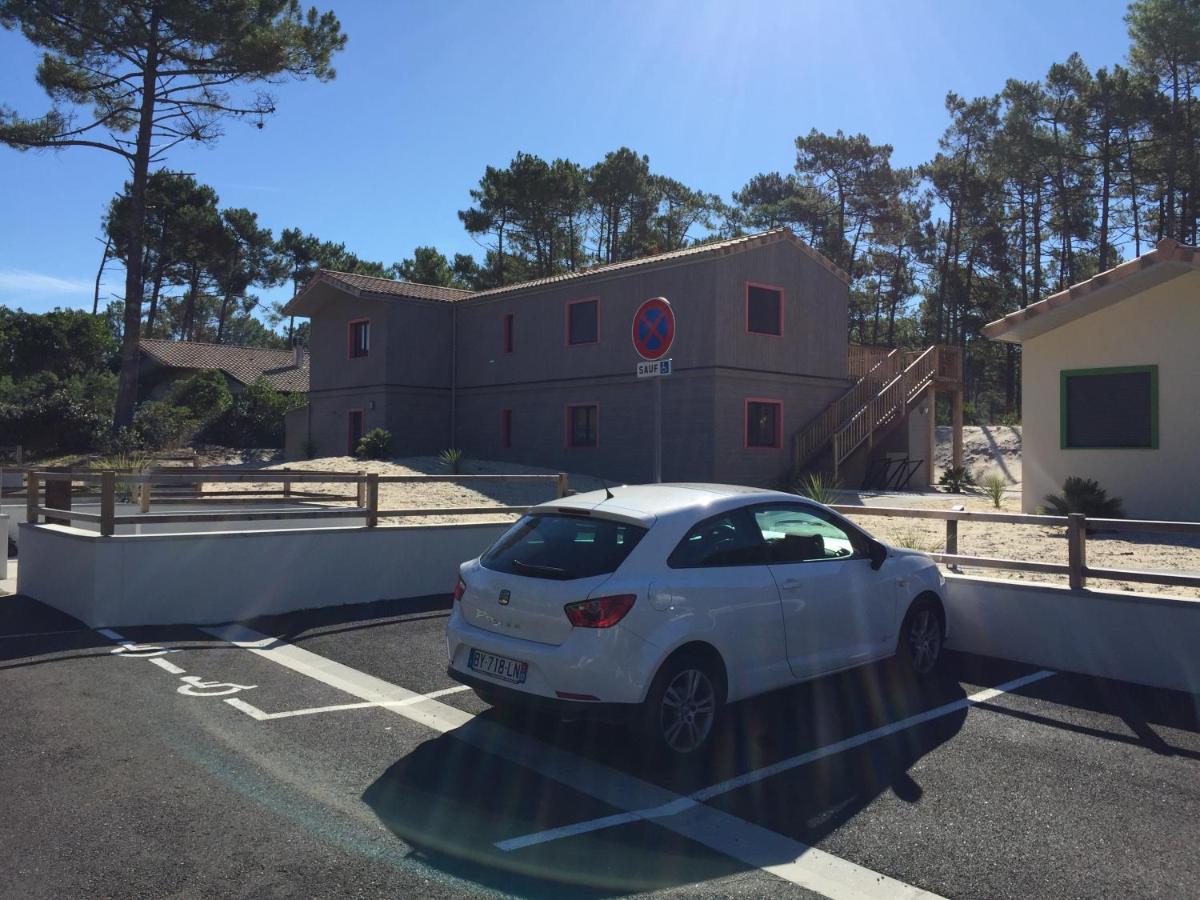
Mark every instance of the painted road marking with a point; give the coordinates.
(255, 712)
(740, 781)
(754, 845)
(169, 667)
(194, 687)
(131, 649)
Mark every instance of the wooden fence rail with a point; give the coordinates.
(1076, 568)
(190, 490)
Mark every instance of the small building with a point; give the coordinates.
(165, 362)
(1110, 384)
(543, 373)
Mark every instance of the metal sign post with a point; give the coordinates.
(653, 335)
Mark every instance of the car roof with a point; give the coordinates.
(648, 502)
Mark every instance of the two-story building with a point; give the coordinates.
(543, 373)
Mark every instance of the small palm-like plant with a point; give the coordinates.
(817, 486)
(452, 458)
(994, 486)
(375, 444)
(956, 479)
(1084, 495)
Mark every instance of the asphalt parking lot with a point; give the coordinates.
(328, 753)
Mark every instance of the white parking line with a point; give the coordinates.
(740, 781)
(257, 713)
(170, 667)
(754, 845)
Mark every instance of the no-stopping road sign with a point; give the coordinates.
(653, 328)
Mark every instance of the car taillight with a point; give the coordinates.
(603, 612)
(460, 588)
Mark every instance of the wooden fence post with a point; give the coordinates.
(372, 500)
(1076, 550)
(362, 488)
(560, 489)
(32, 490)
(144, 496)
(952, 540)
(287, 486)
(108, 503)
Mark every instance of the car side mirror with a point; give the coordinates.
(877, 553)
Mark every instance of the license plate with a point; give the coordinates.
(498, 666)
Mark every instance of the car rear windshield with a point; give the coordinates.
(563, 547)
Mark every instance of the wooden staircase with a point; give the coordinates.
(887, 382)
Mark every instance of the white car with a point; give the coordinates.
(658, 604)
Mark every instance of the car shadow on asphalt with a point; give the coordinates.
(452, 800)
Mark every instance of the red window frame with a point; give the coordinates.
(567, 431)
(767, 287)
(350, 327)
(506, 429)
(508, 333)
(567, 322)
(770, 401)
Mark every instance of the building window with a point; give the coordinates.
(354, 430)
(583, 425)
(360, 338)
(508, 332)
(1109, 408)
(583, 321)
(506, 428)
(764, 309)
(764, 424)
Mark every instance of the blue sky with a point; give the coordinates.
(429, 93)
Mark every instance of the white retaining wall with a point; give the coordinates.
(204, 578)
(4, 549)
(1146, 639)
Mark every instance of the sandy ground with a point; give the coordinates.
(423, 495)
(1000, 446)
(986, 449)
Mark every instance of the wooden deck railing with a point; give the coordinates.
(888, 405)
(1075, 569)
(174, 487)
(873, 402)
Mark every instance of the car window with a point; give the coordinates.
(729, 539)
(563, 547)
(805, 534)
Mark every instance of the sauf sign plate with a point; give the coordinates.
(654, 369)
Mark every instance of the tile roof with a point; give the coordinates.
(1081, 299)
(244, 364)
(714, 248)
(367, 284)
(371, 285)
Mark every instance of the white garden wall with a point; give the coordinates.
(204, 578)
(1146, 639)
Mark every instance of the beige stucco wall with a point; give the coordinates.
(1158, 327)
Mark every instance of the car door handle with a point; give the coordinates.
(902, 582)
(790, 583)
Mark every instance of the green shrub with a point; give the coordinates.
(135, 461)
(161, 425)
(994, 486)
(956, 479)
(817, 486)
(375, 444)
(47, 414)
(452, 459)
(255, 418)
(1084, 495)
(205, 395)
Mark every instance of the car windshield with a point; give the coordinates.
(563, 547)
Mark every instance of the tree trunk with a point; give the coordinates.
(100, 274)
(127, 382)
(225, 301)
(154, 292)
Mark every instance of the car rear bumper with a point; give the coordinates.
(499, 695)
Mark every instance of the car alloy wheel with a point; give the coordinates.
(924, 640)
(687, 710)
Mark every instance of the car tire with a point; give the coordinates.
(922, 639)
(681, 707)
